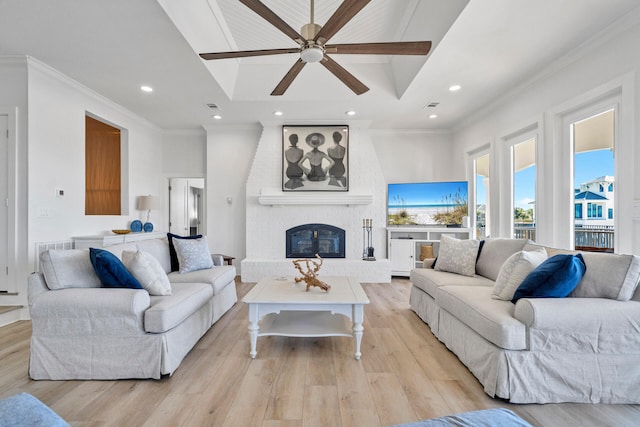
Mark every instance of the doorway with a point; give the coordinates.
(187, 206)
(4, 207)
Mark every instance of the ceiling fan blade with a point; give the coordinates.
(269, 16)
(347, 10)
(288, 78)
(247, 53)
(346, 77)
(392, 48)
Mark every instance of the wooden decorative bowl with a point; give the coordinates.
(123, 231)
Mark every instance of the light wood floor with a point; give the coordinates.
(405, 375)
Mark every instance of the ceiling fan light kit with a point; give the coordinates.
(312, 45)
(312, 54)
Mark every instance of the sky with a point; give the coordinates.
(587, 166)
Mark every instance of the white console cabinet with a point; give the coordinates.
(404, 243)
(101, 241)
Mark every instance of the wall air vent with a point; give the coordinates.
(432, 105)
(213, 106)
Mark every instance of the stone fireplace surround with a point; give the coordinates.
(270, 211)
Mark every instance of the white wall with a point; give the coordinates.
(47, 115)
(13, 102)
(415, 155)
(183, 156)
(229, 153)
(596, 70)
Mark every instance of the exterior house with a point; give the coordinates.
(594, 203)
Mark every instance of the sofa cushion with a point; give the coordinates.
(193, 254)
(217, 277)
(167, 312)
(514, 270)
(111, 271)
(429, 280)
(159, 248)
(610, 276)
(494, 253)
(491, 318)
(68, 269)
(556, 277)
(148, 271)
(457, 256)
(175, 266)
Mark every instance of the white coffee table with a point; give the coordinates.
(285, 308)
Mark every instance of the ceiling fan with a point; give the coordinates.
(312, 45)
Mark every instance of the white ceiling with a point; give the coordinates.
(487, 46)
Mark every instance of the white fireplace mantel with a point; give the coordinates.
(275, 197)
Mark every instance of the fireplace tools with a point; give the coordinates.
(367, 248)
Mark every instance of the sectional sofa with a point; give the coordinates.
(82, 330)
(582, 348)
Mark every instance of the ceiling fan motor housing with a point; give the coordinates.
(309, 31)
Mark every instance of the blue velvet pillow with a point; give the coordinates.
(556, 277)
(111, 271)
(175, 265)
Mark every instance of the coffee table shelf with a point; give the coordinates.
(305, 324)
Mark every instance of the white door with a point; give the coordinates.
(178, 206)
(186, 206)
(4, 201)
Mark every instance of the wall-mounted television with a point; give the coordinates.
(427, 203)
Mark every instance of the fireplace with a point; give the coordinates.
(307, 240)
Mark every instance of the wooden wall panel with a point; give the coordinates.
(102, 168)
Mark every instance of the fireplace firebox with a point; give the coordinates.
(307, 240)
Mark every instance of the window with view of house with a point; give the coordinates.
(594, 178)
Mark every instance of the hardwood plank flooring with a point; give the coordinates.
(405, 374)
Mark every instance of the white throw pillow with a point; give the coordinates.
(457, 256)
(193, 254)
(514, 270)
(148, 271)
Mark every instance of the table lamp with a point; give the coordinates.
(147, 203)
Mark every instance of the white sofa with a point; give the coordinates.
(84, 331)
(582, 348)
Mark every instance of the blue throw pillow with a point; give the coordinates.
(556, 277)
(111, 271)
(175, 264)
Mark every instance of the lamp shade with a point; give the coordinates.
(147, 203)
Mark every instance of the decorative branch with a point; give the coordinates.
(310, 277)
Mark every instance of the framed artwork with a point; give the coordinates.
(315, 158)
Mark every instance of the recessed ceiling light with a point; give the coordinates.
(146, 88)
(455, 88)
(217, 117)
(277, 113)
(350, 113)
(433, 116)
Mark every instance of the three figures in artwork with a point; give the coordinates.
(310, 277)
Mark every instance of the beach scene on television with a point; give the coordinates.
(427, 203)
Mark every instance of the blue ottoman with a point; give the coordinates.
(24, 410)
(499, 417)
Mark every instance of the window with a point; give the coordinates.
(102, 168)
(578, 214)
(524, 189)
(482, 191)
(593, 180)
